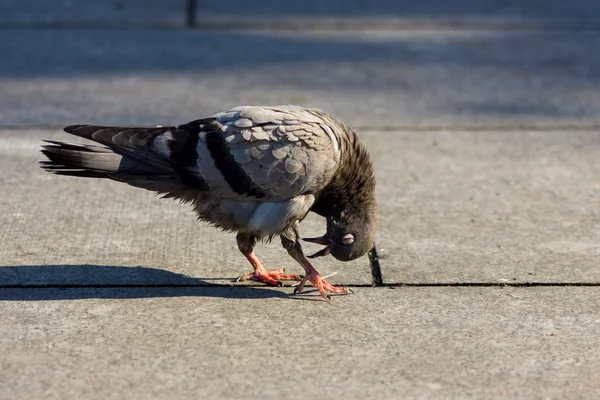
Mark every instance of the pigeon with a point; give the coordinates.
(254, 170)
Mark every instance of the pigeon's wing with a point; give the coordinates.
(247, 153)
(262, 153)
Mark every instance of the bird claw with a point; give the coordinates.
(321, 285)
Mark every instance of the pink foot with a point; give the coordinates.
(271, 278)
(322, 286)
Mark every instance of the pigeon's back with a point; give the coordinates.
(265, 153)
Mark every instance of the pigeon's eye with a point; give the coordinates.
(348, 239)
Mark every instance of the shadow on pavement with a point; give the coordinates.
(92, 275)
(73, 282)
(73, 293)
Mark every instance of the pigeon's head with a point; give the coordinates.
(349, 236)
(349, 205)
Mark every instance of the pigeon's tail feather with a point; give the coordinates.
(92, 161)
(79, 160)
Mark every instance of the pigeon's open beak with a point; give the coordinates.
(320, 240)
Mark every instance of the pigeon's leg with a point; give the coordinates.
(290, 242)
(246, 244)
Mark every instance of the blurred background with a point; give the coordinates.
(375, 64)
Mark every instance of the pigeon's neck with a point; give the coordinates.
(353, 184)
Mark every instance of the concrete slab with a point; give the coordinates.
(582, 10)
(370, 79)
(124, 13)
(258, 343)
(454, 207)
(489, 206)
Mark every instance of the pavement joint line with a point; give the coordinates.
(352, 285)
(93, 26)
(478, 128)
(388, 128)
(397, 24)
(192, 22)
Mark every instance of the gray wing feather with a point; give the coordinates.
(285, 151)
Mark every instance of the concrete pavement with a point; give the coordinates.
(486, 150)
(259, 343)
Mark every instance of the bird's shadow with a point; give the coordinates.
(73, 282)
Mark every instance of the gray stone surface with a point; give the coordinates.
(583, 10)
(454, 207)
(492, 206)
(258, 343)
(370, 79)
(85, 13)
